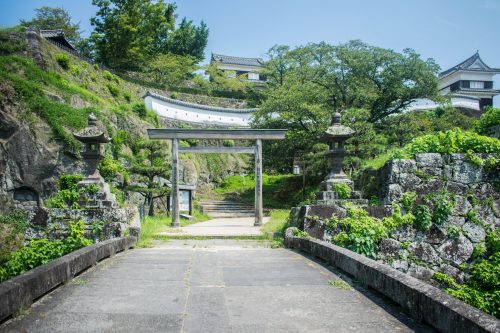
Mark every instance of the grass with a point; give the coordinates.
(275, 228)
(277, 223)
(152, 226)
(341, 284)
(379, 161)
(279, 191)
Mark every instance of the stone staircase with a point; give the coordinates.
(226, 208)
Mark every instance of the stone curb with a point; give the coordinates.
(21, 291)
(420, 300)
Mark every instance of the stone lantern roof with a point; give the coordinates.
(91, 133)
(337, 130)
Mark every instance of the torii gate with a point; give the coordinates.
(175, 134)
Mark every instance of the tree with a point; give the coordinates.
(150, 164)
(49, 18)
(130, 33)
(356, 75)
(189, 40)
(171, 69)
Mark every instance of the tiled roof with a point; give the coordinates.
(474, 63)
(58, 36)
(198, 106)
(256, 62)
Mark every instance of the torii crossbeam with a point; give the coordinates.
(258, 135)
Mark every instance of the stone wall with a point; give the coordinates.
(52, 223)
(446, 247)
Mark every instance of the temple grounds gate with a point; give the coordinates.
(176, 134)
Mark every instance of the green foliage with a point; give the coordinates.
(49, 18)
(171, 69)
(488, 120)
(472, 216)
(358, 231)
(454, 231)
(140, 110)
(453, 141)
(63, 60)
(493, 241)
(478, 252)
(381, 81)
(113, 90)
(279, 191)
(401, 129)
(341, 284)
(407, 200)
(12, 40)
(423, 217)
(150, 162)
(17, 219)
(443, 206)
(110, 168)
(228, 143)
(343, 190)
(444, 279)
(68, 193)
(41, 251)
(127, 37)
(299, 233)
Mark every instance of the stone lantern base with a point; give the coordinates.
(329, 196)
(102, 199)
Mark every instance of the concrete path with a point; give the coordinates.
(210, 286)
(240, 226)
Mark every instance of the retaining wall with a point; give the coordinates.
(21, 291)
(423, 302)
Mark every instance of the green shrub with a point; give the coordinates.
(454, 231)
(443, 206)
(173, 95)
(127, 95)
(343, 190)
(453, 141)
(488, 119)
(228, 143)
(63, 60)
(140, 110)
(41, 251)
(407, 200)
(423, 217)
(299, 233)
(68, 193)
(107, 75)
(113, 90)
(110, 168)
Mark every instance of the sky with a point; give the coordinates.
(447, 30)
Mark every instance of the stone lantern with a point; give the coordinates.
(335, 136)
(93, 139)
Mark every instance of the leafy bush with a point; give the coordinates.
(113, 90)
(407, 200)
(228, 143)
(127, 95)
(41, 251)
(453, 141)
(140, 110)
(107, 75)
(454, 231)
(343, 190)
(423, 217)
(488, 119)
(443, 205)
(299, 233)
(63, 60)
(110, 168)
(68, 193)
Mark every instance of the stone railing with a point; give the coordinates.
(422, 301)
(21, 291)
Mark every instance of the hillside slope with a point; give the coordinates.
(46, 94)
